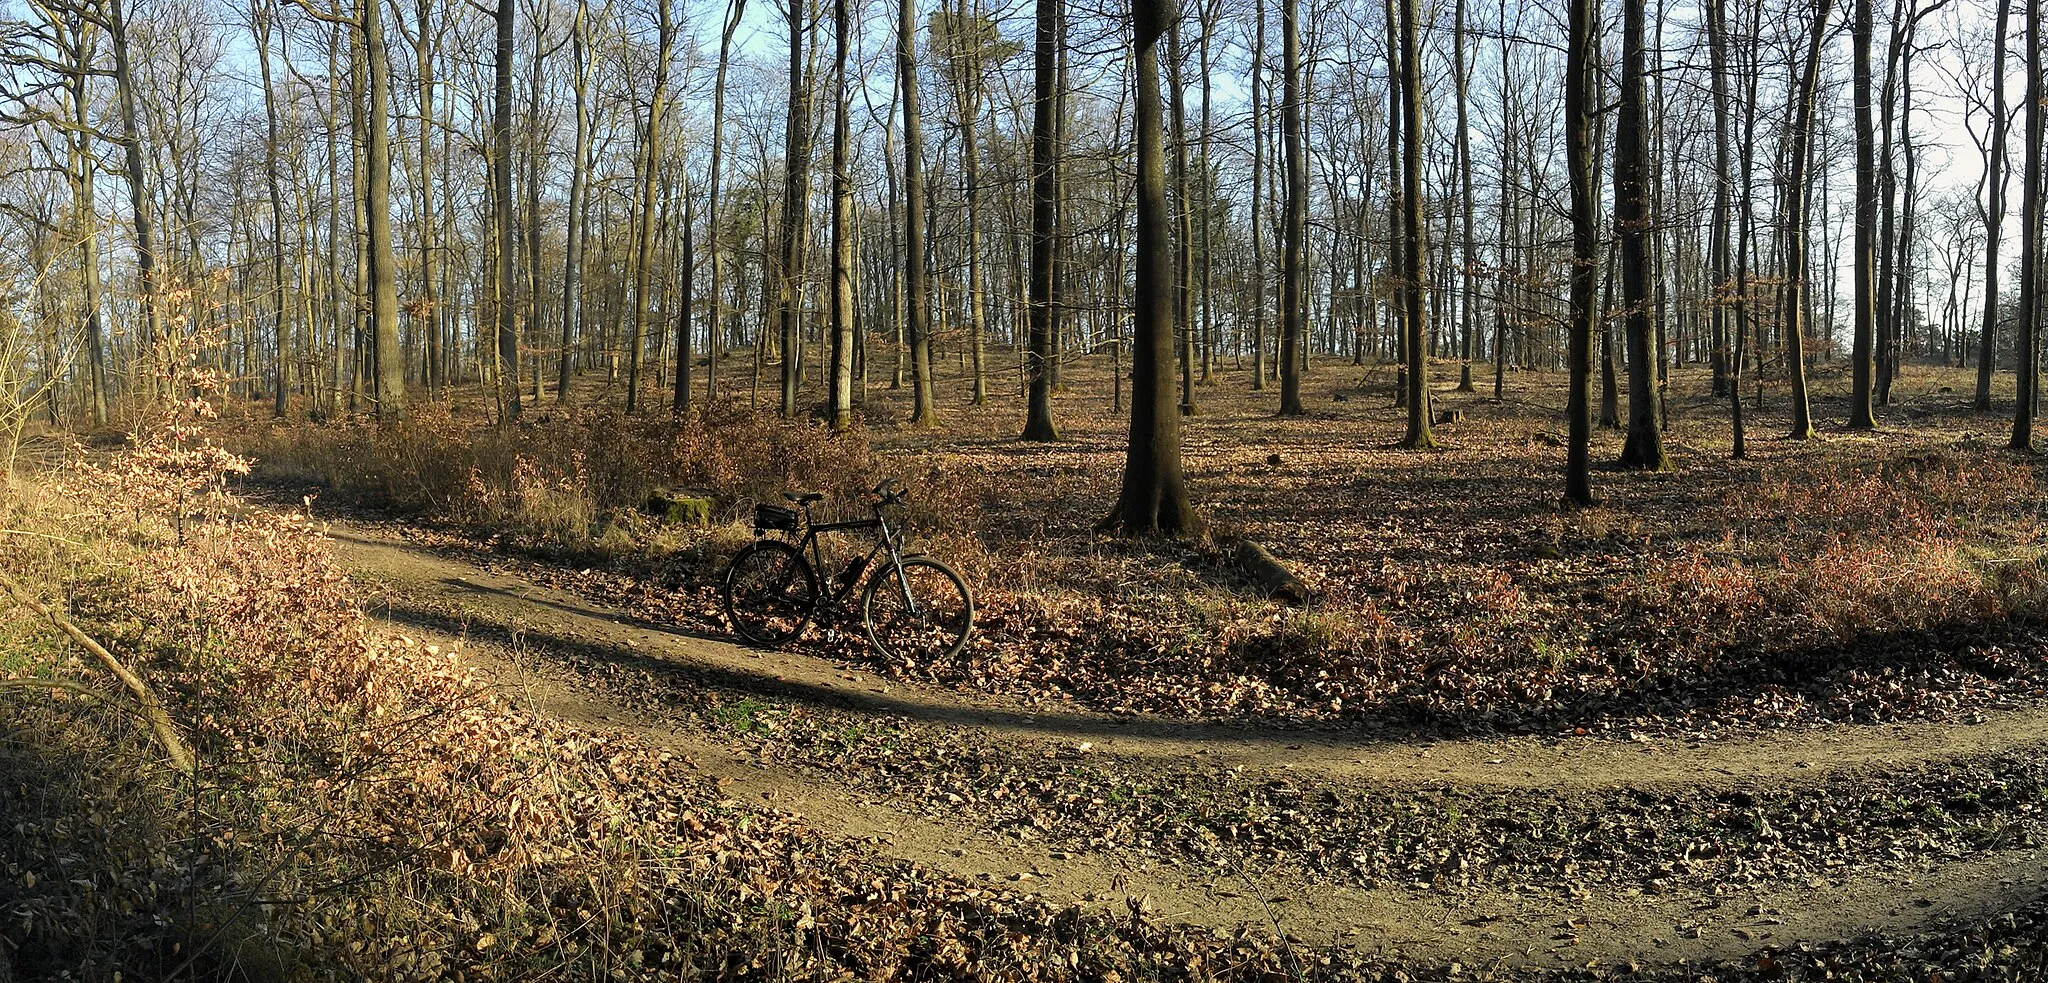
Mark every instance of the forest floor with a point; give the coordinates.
(924, 776)
(1742, 708)
(1778, 718)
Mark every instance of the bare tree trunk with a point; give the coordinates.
(1038, 424)
(1414, 264)
(1258, 203)
(1794, 223)
(924, 410)
(1294, 216)
(1862, 356)
(1994, 212)
(81, 165)
(1468, 296)
(260, 15)
(796, 196)
(579, 178)
(140, 199)
(685, 326)
(1635, 224)
(1212, 10)
(840, 401)
(1154, 497)
(2027, 361)
(383, 258)
(650, 162)
(431, 318)
(1183, 266)
(506, 369)
(712, 343)
(1581, 96)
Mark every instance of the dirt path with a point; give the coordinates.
(1476, 926)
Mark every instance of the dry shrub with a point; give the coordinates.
(563, 479)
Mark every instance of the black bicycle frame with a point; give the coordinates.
(886, 541)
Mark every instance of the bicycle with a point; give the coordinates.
(911, 607)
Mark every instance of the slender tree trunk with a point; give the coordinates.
(1294, 215)
(650, 163)
(1183, 218)
(1038, 423)
(1206, 184)
(579, 177)
(796, 197)
(924, 410)
(1258, 202)
(1994, 212)
(260, 15)
(506, 367)
(1726, 369)
(140, 202)
(2027, 362)
(839, 412)
(1415, 263)
(1610, 394)
(714, 217)
(1799, 161)
(83, 164)
(685, 326)
(431, 317)
(1468, 297)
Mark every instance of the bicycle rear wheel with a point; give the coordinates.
(771, 593)
(924, 614)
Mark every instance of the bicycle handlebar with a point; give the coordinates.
(890, 492)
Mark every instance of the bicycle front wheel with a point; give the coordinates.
(771, 593)
(920, 611)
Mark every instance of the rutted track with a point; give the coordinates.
(434, 594)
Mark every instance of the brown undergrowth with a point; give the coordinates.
(363, 807)
(1881, 577)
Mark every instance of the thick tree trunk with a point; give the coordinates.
(1581, 96)
(1863, 355)
(1154, 498)
(1634, 225)
(383, 258)
(1413, 259)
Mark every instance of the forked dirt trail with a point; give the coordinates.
(1603, 925)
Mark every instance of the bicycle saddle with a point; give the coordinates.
(803, 498)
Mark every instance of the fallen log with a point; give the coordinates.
(152, 709)
(1266, 570)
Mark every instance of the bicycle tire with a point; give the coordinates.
(770, 593)
(902, 628)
